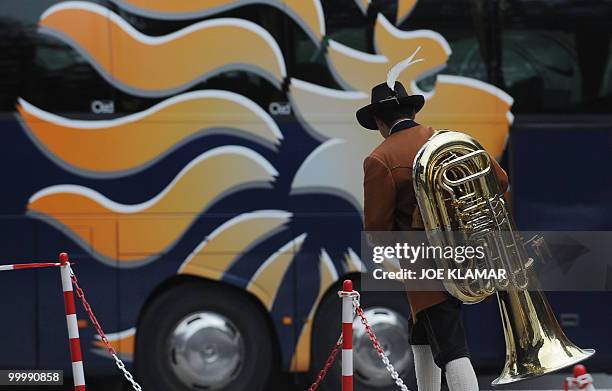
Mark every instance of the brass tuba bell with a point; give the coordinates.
(461, 203)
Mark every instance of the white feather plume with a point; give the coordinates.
(400, 67)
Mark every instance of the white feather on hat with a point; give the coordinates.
(400, 67)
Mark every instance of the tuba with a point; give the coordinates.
(459, 199)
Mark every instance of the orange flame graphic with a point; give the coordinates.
(404, 8)
(87, 145)
(158, 66)
(361, 71)
(217, 252)
(327, 275)
(123, 342)
(133, 233)
(307, 13)
(271, 273)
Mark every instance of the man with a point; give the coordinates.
(437, 334)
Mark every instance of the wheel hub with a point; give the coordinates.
(391, 329)
(206, 351)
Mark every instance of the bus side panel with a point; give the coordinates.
(561, 181)
(560, 176)
(18, 289)
(18, 295)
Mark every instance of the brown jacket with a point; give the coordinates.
(389, 200)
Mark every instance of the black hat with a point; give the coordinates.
(383, 98)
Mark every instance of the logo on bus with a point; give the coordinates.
(100, 106)
(279, 108)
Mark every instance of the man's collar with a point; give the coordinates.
(401, 125)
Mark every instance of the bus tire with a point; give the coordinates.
(203, 336)
(327, 329)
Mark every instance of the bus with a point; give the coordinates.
(202, 165)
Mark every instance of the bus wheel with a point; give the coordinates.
(201, 336)
(388, 314)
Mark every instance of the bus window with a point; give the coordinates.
(46, 71)
(605, 93)
(16, 53)
(555, 56)
(344, 23)
(540, 70)
(458, 22)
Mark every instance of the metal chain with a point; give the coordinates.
(96, 324)
(358, 312)
(335, 350)
(381, 353)
(327, 366)
(126, 373)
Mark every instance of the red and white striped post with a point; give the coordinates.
(347, 335)
(73, 329)
(582, 380)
